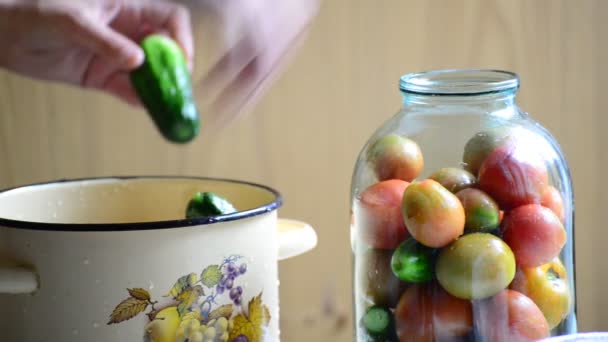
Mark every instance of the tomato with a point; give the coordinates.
(547, 286)
(433, 215)
(481, 212)
(378, 215)
(395, 157)
(552, 199)
(513, 175)
(427, 313)
(477, 265)
(534, 233)
(510, 317)
(477, 149)
(454, 179)
(374, 274)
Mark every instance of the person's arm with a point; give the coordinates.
(261, 38)
(91, 44)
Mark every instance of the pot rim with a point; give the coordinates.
(141, 226)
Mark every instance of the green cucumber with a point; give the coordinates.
(413, 262)
(206, 204)
(164, 87)
(379, 324)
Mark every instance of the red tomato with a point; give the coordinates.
(378, 217)
(552, 199)
(510, 317)
(547, 286)
(534, 233)
(428, 313)
(513, 175)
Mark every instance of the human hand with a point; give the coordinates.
(262, 36)
(89, 43)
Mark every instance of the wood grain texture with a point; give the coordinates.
(305, 135)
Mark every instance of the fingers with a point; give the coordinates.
(229, 68)
(244, 74)
(158, 15)
(103, 41)
(120, 86)
(103, 75)
(254, 80)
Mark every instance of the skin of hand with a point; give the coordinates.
(93, 43)
(88, 43)
(261, 37)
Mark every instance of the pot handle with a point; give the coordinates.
(17, 280)
(295, 238)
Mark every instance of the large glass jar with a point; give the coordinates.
(462, 218)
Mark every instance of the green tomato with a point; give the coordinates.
(395, 157)
(476, 266)
(413, 262)
(454, 179)
(481, 211)
(483, 143)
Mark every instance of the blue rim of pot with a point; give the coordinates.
(141, 226)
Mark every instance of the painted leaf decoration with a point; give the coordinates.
(222, 311)
(139, 293)
(128, 309)
(258, 312)
(253, 324)
(182, 284)
(188, 297)
(211, 276)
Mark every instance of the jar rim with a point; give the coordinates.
(459, 82)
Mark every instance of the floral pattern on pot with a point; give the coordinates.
(190, 310)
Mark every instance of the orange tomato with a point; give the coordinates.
(547, 286)
(432, 214)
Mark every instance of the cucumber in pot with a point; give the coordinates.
(164, 86)
(206, 204)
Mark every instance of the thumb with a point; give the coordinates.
(108, 44)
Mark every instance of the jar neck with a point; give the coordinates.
(497, 105)
(492, 100)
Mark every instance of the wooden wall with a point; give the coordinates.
(304, 136)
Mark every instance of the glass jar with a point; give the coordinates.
(462, 218)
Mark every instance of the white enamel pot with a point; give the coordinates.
(113, 260)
